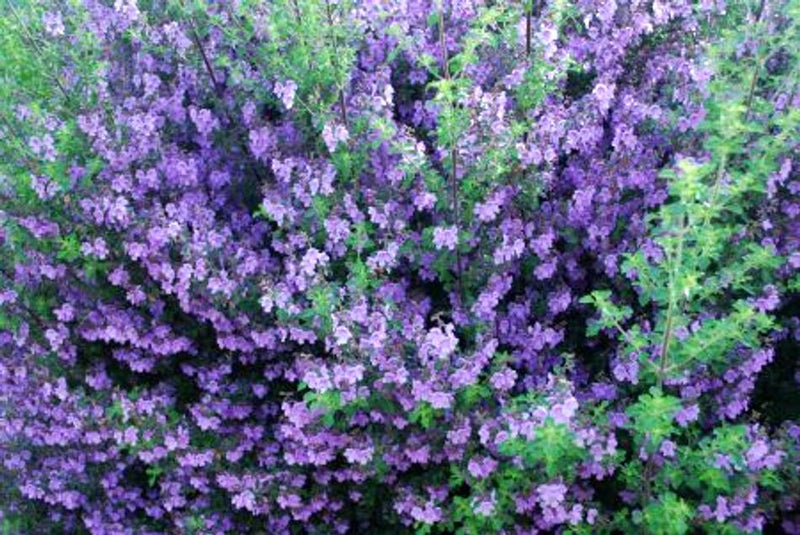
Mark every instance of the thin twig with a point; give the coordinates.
(335, 63)
(453, 157)
(754, 80)
(206, 62)
(218, 89)
(675, 263)
(528, 16)
(32, 40)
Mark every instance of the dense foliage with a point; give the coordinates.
(413, 266)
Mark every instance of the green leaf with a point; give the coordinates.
(153, 472)
(669, 515)
(653, 416)
(69, 248)
(423, 414)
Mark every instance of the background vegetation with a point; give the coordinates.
(429, 266)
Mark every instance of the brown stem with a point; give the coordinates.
(528, 24)
(528, 17)
(753, 82)
(342, 103)
(297, 15)
(443, 43)
(762, 8)
(675, 263)
(32, 40)
(648, 476)
(218, 90)
(343, 107)
(453, 158)
(662, 365)
(206, 62)
(456, 218)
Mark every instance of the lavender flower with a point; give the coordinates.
(445, 238)
(286, 92)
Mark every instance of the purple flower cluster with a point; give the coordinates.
(251, 281)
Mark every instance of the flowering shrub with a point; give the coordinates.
(317, 266)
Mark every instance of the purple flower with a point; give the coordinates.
(439, 343)
(769, 301)
(286, 91)
(359, 455)
(318, 380)
(424, 200)
(484, 506)
(757, 456)
(626, 371)
(311, 260)
(603, 94)
(333, 134)
(560, 301)
(53, 23)
(504, 379)
(10, 296)
(244, 500)
(551, 495)
(562, 413)
(347, 375)
(203, 120)
(481, 467)
(687, 415)
(427, 514)
(44, 187)
(98, 248)
(261, 141)
(341, 335)
(445, 238)
(419, 455)
(488, 210)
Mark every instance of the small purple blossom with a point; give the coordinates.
(484, 506)
(551, 495)
(603, 94)
(667, 449)
(687, 415)
(359, 455)
(53, 23)
(286, 91)
(481, 468)
(504, 379)
(445, 238)
(333, 134)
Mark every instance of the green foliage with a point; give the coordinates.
(552, 449)
(15, 523)
(695, 279)
(668, 515)
(310, 43)
(611, 315)
(689, 309)
(652, 417)
(69, 248)
(703, 266)
(360, 277)
(423, 414)
(195, 524)
(323, 302)
(472, 395)
(153, 472)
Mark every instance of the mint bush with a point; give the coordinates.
(317, 266)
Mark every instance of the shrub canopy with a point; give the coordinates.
(430, 266)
